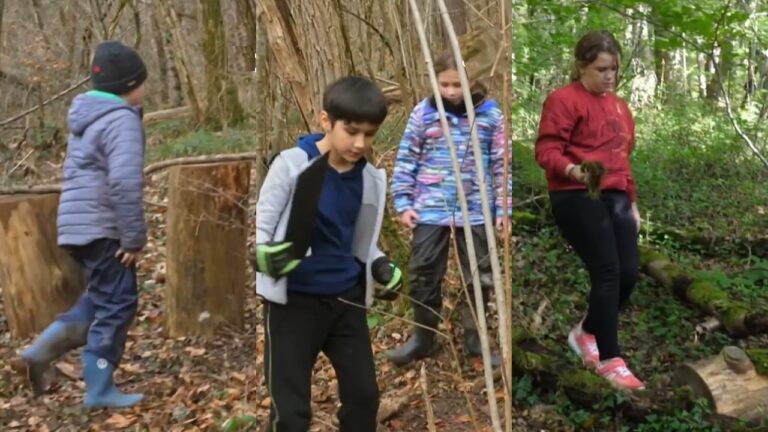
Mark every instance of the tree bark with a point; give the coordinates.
(2, 10)
(38, 278)
(158, 39)
(181, 60)
(206, 247)
(247, 15)
(223, 105)
(310, 48)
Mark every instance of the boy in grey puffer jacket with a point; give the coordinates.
(101, 224)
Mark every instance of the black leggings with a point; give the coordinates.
(604, 235)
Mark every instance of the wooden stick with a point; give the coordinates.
(483, 331)
(427, 403)
(45, 102)
(489, 230)
(507, 356)
(167, 114)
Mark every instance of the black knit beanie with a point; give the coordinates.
(117, 68)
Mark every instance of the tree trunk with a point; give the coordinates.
(307, 39)
(458, 14)
(158, 39)
(38, 278)
(729, 382)
(206, 247)
(181, 60)
(2, 10)
(223, 105)
(247, 16)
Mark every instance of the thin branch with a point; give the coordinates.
(149, 170)
(383, 38)
(427, 402)
(46, 102)
(507, 234)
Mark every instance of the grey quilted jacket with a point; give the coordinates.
(102, 194)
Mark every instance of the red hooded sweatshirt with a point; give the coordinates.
(577, 125)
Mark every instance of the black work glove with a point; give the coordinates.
(389, 275)
(274, 259)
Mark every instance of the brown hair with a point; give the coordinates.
(446, 62)
(590, 46)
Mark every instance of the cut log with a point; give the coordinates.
(737, 318)
(729, 382)
(39, 279)
(206, 247)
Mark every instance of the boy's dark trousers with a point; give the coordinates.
(295, 334)
(109, 302)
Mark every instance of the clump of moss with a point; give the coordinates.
(594, 172)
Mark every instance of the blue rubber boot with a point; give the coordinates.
(58, 338)
(100, 390)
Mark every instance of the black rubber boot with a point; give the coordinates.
(421, 344)
(472, 346)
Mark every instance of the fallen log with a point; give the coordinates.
(167, 114)
(735, 316)
(584, 388)
(712, 244)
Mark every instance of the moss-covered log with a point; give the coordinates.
(736, 317)
(585, 388)
(549, 370)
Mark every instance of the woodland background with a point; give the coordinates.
(228, 76)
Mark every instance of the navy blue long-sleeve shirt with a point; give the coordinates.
(332, 268)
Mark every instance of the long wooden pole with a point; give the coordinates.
(506, 35)
(483, 328)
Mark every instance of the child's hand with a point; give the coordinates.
(408, 219)
(502, 223)
(575, 173)
(636, 215)
(274, 259)
(128, 258)
(387, 273)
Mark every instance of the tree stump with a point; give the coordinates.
(206, 247)
(729, 382)
(39, 279)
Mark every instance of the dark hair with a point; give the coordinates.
(354, 99)
(590, 46)
(446, 61)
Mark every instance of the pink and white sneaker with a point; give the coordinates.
(617, 373)
(585, 346)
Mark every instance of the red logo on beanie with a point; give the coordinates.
(96, 69)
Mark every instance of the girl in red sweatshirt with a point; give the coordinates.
(586, 121)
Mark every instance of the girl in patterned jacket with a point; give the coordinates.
(424, 189)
